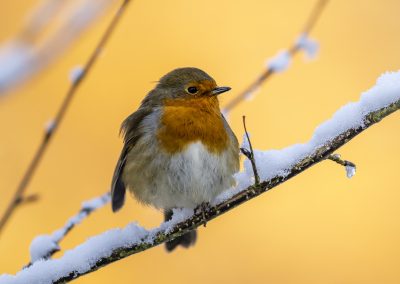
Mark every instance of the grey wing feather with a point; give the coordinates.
(117, 185)
(131, 131)
(230, 132)
(234, 142)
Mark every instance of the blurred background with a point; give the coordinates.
(319, 227)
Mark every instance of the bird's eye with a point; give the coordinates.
(192, 90)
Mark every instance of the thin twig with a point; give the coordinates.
(314, 16)
(250, 155)
(59, 116)
(28, 199)
(310, 24)
(336, 158)
(349, 166)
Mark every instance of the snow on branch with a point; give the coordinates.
(44, 246)
(281, 61)
(34, 47)
(275, 167)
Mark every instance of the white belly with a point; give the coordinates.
(185, 180)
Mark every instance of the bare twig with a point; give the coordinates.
(27, 199)
(250, 154)
(349, 166)
(311, 21)
(336, 158)
(60, 115)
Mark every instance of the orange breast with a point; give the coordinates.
(191, 120)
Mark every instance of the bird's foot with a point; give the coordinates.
(203, 208)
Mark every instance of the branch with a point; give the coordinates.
(280, 62)
(54, 124)
(28, 199)
(349, 166)
(44, 246)
(48, 31)
(249, 153)
(352, 119)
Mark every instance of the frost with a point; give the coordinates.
(350, 171)
(280, 62)
(309, 46)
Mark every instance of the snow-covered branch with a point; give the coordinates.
(275, 167)
(44, 246)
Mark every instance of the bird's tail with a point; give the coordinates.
(185, 240)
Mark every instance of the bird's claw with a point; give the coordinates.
(203, 208)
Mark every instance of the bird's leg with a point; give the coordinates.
(203, 208)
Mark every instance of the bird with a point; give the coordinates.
(179, 151)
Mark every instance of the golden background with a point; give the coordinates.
(319, 227)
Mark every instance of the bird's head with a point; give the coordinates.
(188, 83)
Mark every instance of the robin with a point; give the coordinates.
(179, 151)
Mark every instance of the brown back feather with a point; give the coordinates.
(131, 131)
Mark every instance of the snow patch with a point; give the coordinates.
(350, 171)
(280, 62)
(76, 73)
(42, 246)
(309, 46)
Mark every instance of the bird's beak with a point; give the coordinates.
(219, 90)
